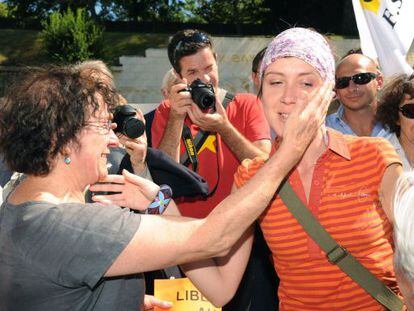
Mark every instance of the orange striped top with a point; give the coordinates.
(344, 197)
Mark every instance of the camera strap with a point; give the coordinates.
(192, 146)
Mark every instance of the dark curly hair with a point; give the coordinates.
(185, 43)
(45, 111)
(391, 98)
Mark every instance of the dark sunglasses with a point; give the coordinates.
(359, 78)
(197, 37)
(407, 110)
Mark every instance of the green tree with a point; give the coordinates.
(232, 11)
(154, 10)
(24, 9)
(131, 10)
(5, 10)
(70, 37)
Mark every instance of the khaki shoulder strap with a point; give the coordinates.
(338, 255)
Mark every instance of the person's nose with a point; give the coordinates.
(205, 78)
(352, 86)
(289, 95)
(113, 139)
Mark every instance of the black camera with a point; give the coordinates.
(202, 94)
(127, 122)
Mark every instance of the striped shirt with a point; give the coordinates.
(344, 197)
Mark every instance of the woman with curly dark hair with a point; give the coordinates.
(396, 111)
(59, 253)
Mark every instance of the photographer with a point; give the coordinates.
(224, 129)
(236, 132)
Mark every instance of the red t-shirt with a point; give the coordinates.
(245, 112)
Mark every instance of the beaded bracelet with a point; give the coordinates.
(161, 200)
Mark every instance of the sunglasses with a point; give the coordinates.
(197, 37)
(407, 110)
(360, 79)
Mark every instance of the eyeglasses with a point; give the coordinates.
(103, 127)
(359, 78)
(197, 37)
(407, 110)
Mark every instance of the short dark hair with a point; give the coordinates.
(44, 112)
(353, 51)
(257, 59)
(391, 98)
(187, 42)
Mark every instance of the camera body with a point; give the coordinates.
(202, 94)
(127, 122)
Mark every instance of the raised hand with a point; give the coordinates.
(180, 100)
(213, 122)
(136, 148)
(307, 117)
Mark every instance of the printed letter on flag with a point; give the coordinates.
(386, 32)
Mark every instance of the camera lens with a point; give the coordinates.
(133, 128)
(207, 101)
(127, 123)
(203, 94)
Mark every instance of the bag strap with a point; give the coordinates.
(227, 99)
(337, 254)
(190, 156)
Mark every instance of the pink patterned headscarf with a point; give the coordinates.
(304, 44)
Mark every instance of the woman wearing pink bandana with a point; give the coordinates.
(346, 182)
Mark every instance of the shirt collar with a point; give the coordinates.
(340, 112)
(336, 144)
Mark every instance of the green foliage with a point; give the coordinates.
(232, 11)
(5, 10)
(70, 38)
(152, 10)
(27, 51)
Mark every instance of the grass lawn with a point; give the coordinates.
(23, 47)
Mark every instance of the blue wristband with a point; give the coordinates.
(161, 200)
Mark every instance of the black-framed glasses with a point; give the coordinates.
(359, 78)
(197, 37)
(407, 110)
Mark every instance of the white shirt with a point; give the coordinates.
(400, 150)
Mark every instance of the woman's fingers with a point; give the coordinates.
(107, 187)
(112, 178)
(307, 116)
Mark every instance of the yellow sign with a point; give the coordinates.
(183, 294)
(371, 5)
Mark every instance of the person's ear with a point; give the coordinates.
(380, 80)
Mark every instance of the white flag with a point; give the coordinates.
(386, 31)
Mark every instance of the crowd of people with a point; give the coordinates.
(76, 230)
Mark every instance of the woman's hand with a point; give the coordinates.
(307, 117)
(131, 190)
(150, 302)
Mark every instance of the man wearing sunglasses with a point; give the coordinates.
(358, 81)
(235, 129)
